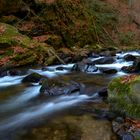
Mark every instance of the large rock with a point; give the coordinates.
(19, 50)
(57, 87)
(134, 68)
(124, 95)
(130, 69)
(121, 126)
(85, 65)
(108, 70)
(105, 60)
(32, 78)
(137, 63)
(129, 57)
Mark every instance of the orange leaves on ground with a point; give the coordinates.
(66, 51)
(2, 52)
(4, 60)
(128, 79)
(41, 38)
(18, 49)
(2, 29)
(135, 123)
(26, 26)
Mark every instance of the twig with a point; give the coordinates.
(109, 36)
(57, 56)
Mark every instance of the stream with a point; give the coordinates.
(25, 115)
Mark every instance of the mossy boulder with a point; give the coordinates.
(32, 78)
(20, 50)
(9, 35)
(124, 95)
(58, 87)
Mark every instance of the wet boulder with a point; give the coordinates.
(126, 128)
(15, 72)
(130, 69)
(127, 136)
(108, 70)
(94, 55)
(134, 68)
(103, 92)
(104, 60)
(3, 71)
(129, 57)
(59, 87)
(137, 63)
(32, 78)
(124, 95)
(85, 65)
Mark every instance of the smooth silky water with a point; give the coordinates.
(25, 115)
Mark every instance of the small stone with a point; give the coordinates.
(127, 136)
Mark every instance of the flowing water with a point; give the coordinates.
(24, 114)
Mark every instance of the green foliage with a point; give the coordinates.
(105, 17)
(71, 20)
(126, 38)
(104, 14)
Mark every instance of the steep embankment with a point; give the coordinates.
(71, 28)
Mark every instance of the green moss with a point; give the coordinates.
(137, 138)
(119, 88)
(11, 36)
(126, 38)
(71, 20)
(25, 59)
(124, 97)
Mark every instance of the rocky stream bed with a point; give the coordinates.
(68, 102)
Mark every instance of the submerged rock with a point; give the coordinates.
(57, 87)
(32, 78)
(83, 127)
(124, 95)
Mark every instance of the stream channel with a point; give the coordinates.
(26, 115)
